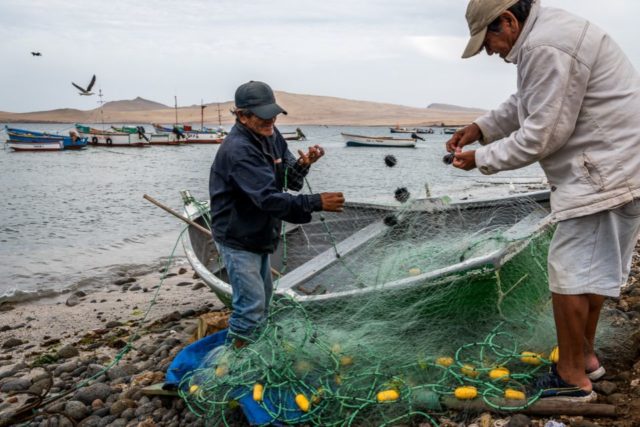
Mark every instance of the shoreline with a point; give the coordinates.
(58, 342)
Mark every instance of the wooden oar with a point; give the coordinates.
(190, 222)
(177, 215)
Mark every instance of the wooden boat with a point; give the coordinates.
(71, 142)
(298, 135)
(192, 136)
(378, 141)
(313, 273)
(53, 145)
(109, 138)
(162, 138)
(407, 130)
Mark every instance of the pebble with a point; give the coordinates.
(519, 420)
(12, 342)
(92, 392)
(16, 384)
(68, 351)
(76, 410)
(605, 387)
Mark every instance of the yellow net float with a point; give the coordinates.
(466, 392)
(258, 392)
(531, 358)
(444, 361)
(511, 394)
(469, 370)
(388, 395)
(302, 402)
(500, 373)
(555, 355)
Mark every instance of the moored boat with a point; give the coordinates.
(111, 138)
(71, 142)
(298, 135)
(313, 267)
(53, 145)
(414, 130)
(378, 141)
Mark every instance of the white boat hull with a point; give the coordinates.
(374, 141)
(36, 146)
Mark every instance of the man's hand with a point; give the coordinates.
(312, 156)
(332, 202)
(465, 160)
(465, 136)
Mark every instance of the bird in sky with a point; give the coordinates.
(36, 54)
(86, 91)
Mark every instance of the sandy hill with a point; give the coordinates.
(137, 104)
(450, 107)
(303, 109)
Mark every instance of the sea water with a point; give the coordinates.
(77, 218)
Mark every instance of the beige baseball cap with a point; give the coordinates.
(481, 13)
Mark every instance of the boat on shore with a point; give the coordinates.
(110, 138)
(378, 141)
(43, 141)
(311, 268)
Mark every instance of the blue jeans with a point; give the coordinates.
(250, 279)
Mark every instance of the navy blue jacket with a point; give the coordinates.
(246, 186)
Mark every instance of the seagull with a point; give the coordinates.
(36, 54)
(86, 91)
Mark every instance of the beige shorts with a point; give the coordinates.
(592, 254)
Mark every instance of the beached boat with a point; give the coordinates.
(112, 138)
(449, 131)
(378, 141)
(314, 273)
(53, 145)
(71, 142)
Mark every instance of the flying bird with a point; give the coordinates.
(86, 91)
(36, 54)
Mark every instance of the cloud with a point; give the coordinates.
(439, 48)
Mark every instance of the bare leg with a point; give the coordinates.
(571, 313)
(595, 305)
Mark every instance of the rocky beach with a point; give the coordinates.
(48, 347)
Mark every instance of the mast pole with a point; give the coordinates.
(202, 107)
(175, 101)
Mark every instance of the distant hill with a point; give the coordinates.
(450, 107)
(303, 110)
(137, 104)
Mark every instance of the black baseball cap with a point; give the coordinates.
(258, 98)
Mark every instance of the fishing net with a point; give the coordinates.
(384, 313)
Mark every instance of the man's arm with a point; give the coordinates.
(555, 85)
(500, 122)
(256, 179)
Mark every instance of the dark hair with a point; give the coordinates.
(520, 10)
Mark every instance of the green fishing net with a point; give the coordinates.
(384, 313)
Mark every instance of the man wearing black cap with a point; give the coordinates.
(250, 171)
(577, 113)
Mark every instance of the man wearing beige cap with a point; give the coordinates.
(576, 112)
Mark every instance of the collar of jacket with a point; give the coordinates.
(512, 57)
(266, 143)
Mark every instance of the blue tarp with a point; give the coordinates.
(275, 401)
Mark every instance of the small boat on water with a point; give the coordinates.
(298, 135)
(378, 141)
(449, 131)
(312, 265)
(189, 135)
(162, 138)
(24, 136)
(414, 130)
(110, 138)
(52, 145)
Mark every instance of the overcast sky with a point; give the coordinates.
(399, 51)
